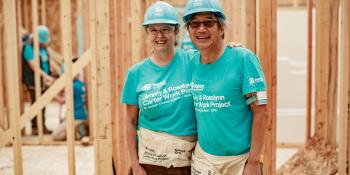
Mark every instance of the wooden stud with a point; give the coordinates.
(326, 69)
(101, 63)
(65, 16)
(37, 69)
(136, 30)
(122, 45)
(249, 25)
(2, 104)
(267, 53)
(344, 104)
(20, 44)
(43, 12)
(113, 61)
(87, 70)
(309, 73)
(93, 78)
(11, 53)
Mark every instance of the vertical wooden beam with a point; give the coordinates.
(136, 30)
(37, 65)
(326, 69)
(20, 44)
(122, 44)
(87, 70)
(267, 53)
(43, 12)
(309, 71)
(65, 21)
(228, 9)
(11, 53)
(114, 89)
(25, 14)
(93, 66)
(2, 104)
(101, 57)
(344, 117)
(249, 24)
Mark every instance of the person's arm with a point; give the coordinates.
(131, 134)
(258, 135)
(47, 78)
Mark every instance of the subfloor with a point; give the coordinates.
(53, 160)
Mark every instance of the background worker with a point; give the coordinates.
(229, 92)
(29, 66)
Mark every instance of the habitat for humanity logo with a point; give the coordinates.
(197, 3)
(158, 11)
(255, 80)
(150, 86)
(197, 87)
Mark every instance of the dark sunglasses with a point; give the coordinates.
(206, 23)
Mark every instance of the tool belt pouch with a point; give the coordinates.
(162, 149)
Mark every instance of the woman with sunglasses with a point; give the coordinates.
(229, 93)
(161, 126)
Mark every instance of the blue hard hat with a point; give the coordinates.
(44, 34)
(197, 6)
(159, 13)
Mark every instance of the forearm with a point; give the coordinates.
(132, 142)
(258, 134)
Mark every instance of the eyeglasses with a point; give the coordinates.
(207, 23)
(164, 30)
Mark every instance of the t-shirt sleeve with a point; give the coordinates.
(253, 76)
(28, 53)
(129, 94)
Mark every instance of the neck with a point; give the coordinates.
(210, 55)
(163, 58)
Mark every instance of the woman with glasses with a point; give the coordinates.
(161, 126)
(229, 93)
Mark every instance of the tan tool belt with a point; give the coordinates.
(207, 164)
(162, 149)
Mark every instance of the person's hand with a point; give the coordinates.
(48, 80)
(137, 169)
(252, 168)
(235, 44)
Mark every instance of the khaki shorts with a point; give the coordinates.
(165, 150)
(205, 164)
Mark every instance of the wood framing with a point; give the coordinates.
(43, 12)
(66, 31)
(344, 103)
(2, 103)
(249, 24)
(309, 71)
(326, 69)
(11, 54)
(47, 96)
(267, 52)
(101, 62)
(37, 69)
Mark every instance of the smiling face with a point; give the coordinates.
(205, 31)
(162, 36)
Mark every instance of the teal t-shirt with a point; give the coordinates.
(28, 54)
(163, 95)
(79, 95)
(224, 120)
